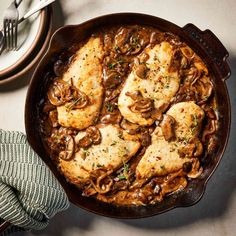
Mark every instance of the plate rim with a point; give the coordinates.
(41, 44)
(42, 23)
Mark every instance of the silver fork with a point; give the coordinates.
(10, 25)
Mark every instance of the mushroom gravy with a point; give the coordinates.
(133, 122)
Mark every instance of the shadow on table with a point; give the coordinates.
(58, 21)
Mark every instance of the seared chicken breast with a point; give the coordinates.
(159, 83)
(85, 71)
(163, 157)
(115, 149)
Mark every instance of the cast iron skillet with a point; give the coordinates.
(208, 47)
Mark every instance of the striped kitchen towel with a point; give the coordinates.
(29, 193)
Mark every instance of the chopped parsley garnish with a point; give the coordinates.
(111, 65)
(73, 103)
(86, 152)
(121, 177)
(99, 165)
(163, 167)
(113, 143)
(109, 107)
(126, 169)
(195, 122)
(117, 49)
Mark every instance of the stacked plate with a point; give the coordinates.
(33, 38)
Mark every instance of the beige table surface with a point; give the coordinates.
(215, 214)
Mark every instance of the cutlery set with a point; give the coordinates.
(11, 20)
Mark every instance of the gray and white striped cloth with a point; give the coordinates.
(29, 193)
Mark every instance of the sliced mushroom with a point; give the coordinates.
(187, 52)
(187, 167)
(157, 37)
(175, 61)
(196, 169)
(211, 144)
(112, 80)
(211, 129)
(131, 128)
(141, 71)
(142, 105)
(145, 139)
(58, 67)
(176, 184)
(68, 153)
(167, 127)
(192, 74)
(92, 136)
(107, 42)
(94, 133)
(111, 118)
(122, 38)
(59, 92)
(48, 107)
(211, 114)
(198, 148)
(81, 100)
(172, 39)
(53, 118)
(111, 94)
(193, 149)
(136, 95)
(85, 142)
(187, 150)
(204, 89)
(143, 57)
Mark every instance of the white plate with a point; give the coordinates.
(28, 31)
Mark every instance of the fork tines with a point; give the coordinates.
(10, 32)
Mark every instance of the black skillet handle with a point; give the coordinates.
(212, 47)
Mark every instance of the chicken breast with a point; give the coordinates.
(188, 117)
(86, 73)
(160, 84)
(115, 149)
(163, 157)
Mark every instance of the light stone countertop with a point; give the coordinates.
(215, 214)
